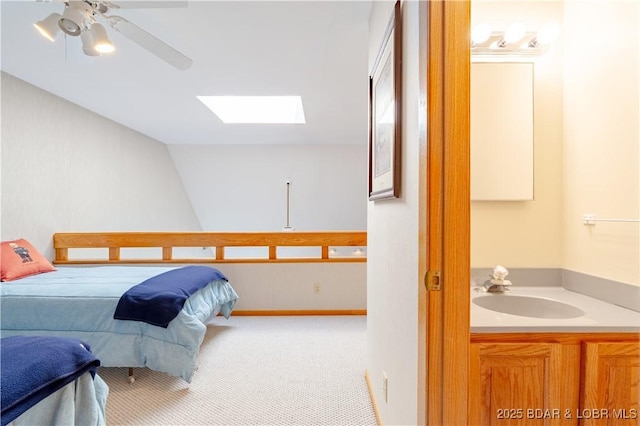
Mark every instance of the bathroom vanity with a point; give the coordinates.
(558, 358)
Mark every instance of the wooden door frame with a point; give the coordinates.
(444, 213)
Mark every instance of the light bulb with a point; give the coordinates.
(87, 44)
(514, 32)
(481, 33)
(101, 42)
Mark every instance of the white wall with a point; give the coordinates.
(392, 267)
(527, 233)
(601, 138)
(66, 169)
(292, 286)
(243, 187)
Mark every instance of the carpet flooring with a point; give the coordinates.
(307, 370)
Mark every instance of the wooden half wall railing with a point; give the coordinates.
(217, 241)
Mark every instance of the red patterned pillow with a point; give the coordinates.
(19, 259)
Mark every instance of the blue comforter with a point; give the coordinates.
(33, 367)
(159, 299)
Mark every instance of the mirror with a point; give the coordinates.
(502, 131)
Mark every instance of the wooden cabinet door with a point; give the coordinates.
(523, 384)
(610, 391)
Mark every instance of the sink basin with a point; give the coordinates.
(527, 306)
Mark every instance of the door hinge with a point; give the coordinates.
(433, 280)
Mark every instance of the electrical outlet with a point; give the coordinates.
(316, 288)
(385, 386)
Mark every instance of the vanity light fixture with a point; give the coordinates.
(514, 42)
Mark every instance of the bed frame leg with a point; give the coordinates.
(131, 377)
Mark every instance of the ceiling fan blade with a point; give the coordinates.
(149, 4)
(150, 42)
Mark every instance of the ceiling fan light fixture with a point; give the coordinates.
(101, 42)
(71, 21)
(87, 44)
(48, 27)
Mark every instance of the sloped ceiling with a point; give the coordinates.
(316, 49)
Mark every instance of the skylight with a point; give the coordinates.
(256, 109)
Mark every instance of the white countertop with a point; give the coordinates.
(598, 316)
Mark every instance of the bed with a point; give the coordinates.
(50, 380)
(80, 302)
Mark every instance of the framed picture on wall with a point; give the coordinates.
(385, 101)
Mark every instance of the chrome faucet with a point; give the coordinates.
(492, 286)
(496, 282)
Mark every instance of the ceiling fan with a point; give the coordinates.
(79, 18)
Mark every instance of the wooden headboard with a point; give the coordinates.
(217, 241)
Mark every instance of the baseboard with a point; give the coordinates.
(292, 312)
(373, 398)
